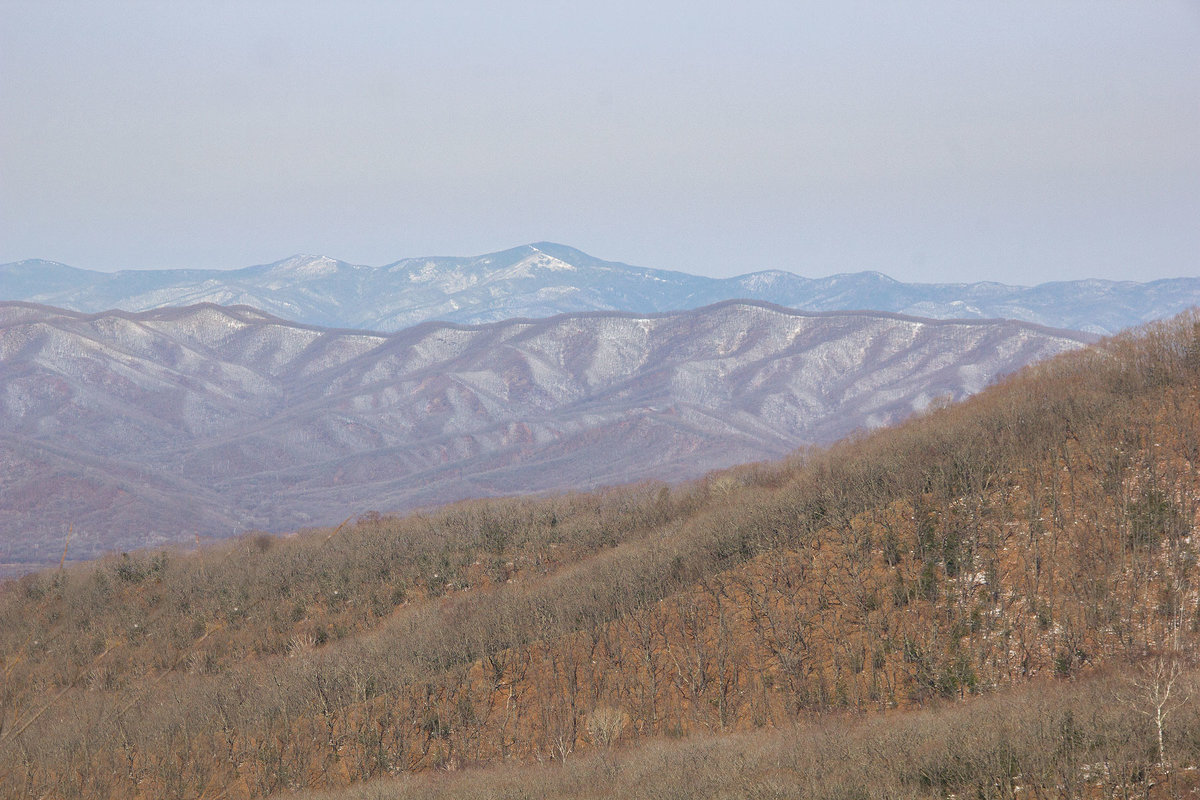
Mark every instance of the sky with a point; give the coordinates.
(933, 141)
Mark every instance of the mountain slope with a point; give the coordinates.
(827, 626)
(205, 420)
(545, 279)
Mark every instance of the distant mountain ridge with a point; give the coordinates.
(544, 279)
(141, 428)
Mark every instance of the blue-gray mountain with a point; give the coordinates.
(541, 280)
(142, 428)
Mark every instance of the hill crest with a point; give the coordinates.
(544, 279)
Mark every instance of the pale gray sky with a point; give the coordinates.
(1014, 141)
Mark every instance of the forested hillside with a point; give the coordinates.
(151, 429)
(1040, 531)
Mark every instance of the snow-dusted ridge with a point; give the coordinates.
(544, 279)
(155, 426)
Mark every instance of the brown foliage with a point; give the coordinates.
(1043, 528)
(1048, 740)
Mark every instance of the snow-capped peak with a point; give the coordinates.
(306, 266)
(535, 262)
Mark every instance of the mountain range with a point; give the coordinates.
(544, 279)
(996, 599)
(133, 429)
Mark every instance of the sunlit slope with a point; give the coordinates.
(1043, 528)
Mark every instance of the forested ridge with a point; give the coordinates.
(1039, 533)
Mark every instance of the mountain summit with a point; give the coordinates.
(544, 279)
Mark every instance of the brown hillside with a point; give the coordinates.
(1043, 528)
(1054, 739)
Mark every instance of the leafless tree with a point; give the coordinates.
(1159, 690)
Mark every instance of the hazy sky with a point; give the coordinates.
(1012, 141)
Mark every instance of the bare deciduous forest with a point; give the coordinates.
(997, 599)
